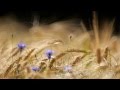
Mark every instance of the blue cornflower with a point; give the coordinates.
(49, 53)
(68, 68)
(21, 46)
(35, 68)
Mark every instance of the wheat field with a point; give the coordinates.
(79, 53)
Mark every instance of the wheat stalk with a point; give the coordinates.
(10, 67)
(4, 47)
(55, 59)
(77, 50)
(14, 54)
(29, 54)
(99, 57)
(55, 41)
(106, 53)
(78, 59)
(96, 30)
(13, 49)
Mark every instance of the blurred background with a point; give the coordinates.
(52, 11)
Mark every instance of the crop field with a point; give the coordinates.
(60, 50)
